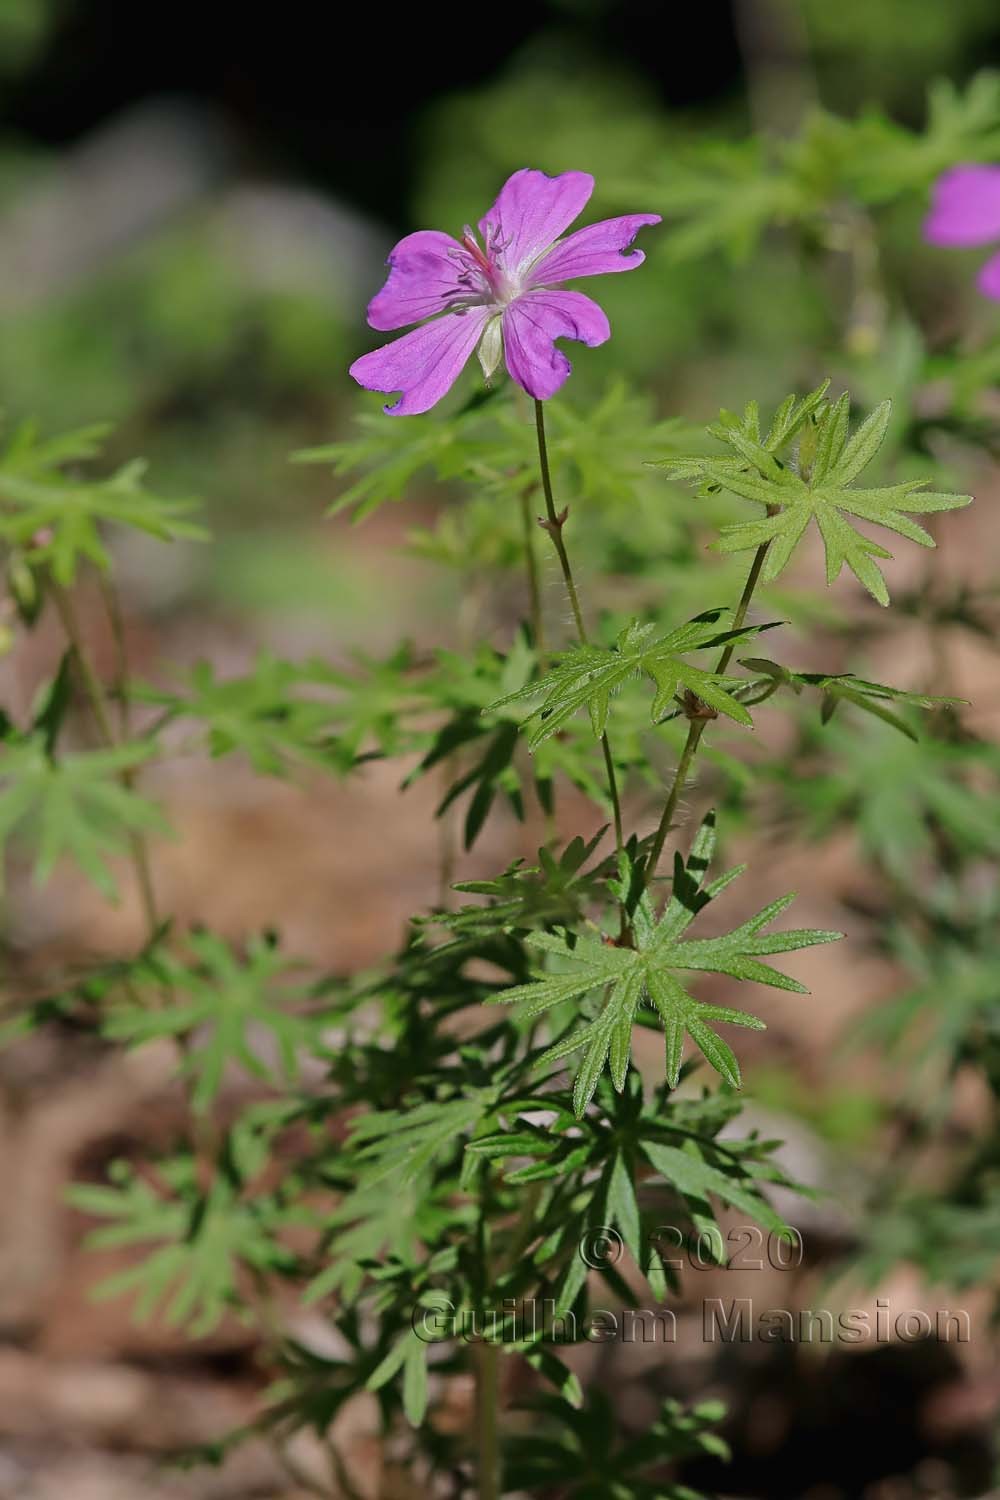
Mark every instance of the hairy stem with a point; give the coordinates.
(487, 1404)
(697, 726)
(100, 709)
(554, 524)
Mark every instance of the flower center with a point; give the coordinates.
(504, 290)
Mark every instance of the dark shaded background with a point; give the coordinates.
(329, 92)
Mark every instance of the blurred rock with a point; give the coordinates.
(144, 170)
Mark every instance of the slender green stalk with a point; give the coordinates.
(697, 726)
(487, 1404)
(534, 582)
(97, 700)
(554, 524)
(537, 623)
(740, 614)
(695, 731)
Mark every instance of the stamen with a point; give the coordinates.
(475, 249)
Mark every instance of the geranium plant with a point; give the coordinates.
(472, 1114)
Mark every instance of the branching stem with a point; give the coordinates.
(697, 726)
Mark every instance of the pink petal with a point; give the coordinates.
(427, 272)
(965, 207)
(425, 363)
(594, 251)
(988, 279)
(531, 211)
(532, 323)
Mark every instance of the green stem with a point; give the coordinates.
(487, 1403)
(554, 526)
(695, 730)
(555, 523)
(97, 699)
(740, 615)
(616, 807)
(534, 583)
(697, 726)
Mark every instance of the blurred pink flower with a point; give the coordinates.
(499, 295)
(965, 210)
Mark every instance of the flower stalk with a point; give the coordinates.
(553, 524)
(697, 726)
(534, 582)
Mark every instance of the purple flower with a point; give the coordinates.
(499, 295)
(965, 210)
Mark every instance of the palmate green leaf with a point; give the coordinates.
(374, 696)
(402, 1143)
(77, 807)
(202, 1239)
(284, 714)
(490, 445)
(951, 1241)
(589, 676)
(233, 1009)
(886, 159)
(261, 714)
(556, 890)
(845, 687)
(375, 1222)
(587, 1167)
(723, 195)
(961, 959)
(647, 974)
(483, 743)
(594, 448)
(57, 517)
(389, 460)
(689, 1174)
(901, 799)
(818, 487)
